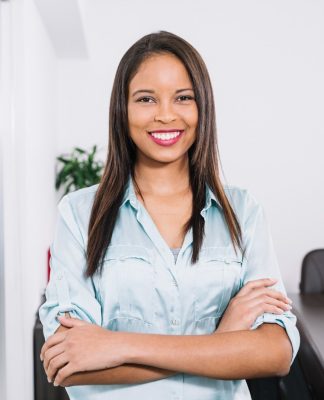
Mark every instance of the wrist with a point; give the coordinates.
(129, 350)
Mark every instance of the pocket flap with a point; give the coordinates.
(225, 254)
(123, 252)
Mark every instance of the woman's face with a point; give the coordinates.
(162, 111)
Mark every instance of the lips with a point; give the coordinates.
(165, 130)
(166, 137)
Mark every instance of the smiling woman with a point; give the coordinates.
(190, 324)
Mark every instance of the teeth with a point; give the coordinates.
(165, 136)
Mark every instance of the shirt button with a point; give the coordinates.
(59, 276)
(175, 322)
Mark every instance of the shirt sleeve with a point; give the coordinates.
(260, 261)
(68, 290)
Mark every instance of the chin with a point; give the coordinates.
(168, 159)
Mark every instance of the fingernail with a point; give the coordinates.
(289, 300)
(55, 384)
(288, 307)
(41, 358)
(49, 380)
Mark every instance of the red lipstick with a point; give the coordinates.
(166, 137)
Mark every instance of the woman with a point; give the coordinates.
(167, 279)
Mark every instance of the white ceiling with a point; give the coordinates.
(62, 20)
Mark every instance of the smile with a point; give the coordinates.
(166, 138)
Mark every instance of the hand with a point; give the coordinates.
(251, 301)
(83, 347)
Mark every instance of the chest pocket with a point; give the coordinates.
(218, 277)
(127, 287)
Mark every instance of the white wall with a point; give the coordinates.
(266, 61)
(28, 188)
(4, 126)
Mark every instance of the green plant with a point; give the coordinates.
(78, 169)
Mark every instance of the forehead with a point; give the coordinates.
(164, 70)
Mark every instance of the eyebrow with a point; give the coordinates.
(152, 91)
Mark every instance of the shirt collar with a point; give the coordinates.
(129, 194)
(210, 199)
(131, 197)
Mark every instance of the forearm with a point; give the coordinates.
(263, 352)
(124, 374)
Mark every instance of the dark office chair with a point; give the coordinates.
(312, 273)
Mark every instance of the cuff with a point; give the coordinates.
(288, 321)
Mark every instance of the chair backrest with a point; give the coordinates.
(312, 273)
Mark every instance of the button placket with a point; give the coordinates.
(175, 321)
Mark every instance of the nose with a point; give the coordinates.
(165, 114)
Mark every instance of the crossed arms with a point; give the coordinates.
(80, 353)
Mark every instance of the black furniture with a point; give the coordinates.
(309, 309)
(42, 389)
(290, 387)
(312, 273)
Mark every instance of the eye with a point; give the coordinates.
(144, 99)
(185, 98)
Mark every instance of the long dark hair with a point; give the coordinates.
(121, 157)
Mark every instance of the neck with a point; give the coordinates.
(163, 178)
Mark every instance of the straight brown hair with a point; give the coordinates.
(203, 154)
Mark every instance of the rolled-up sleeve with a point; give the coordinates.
(259, 262)
(68, 289)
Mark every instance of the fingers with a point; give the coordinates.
(55, 364)
(64, 373)
(260, 286)
(251, 314)
(51, 353)
(60, 336)
(263, 301)
(255, 284)
(263, 296)
(52, 341)
(275, 294)
(70, 322)
(279, 303)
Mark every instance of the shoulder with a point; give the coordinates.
(77, 205)
(242, 200)
(82, 197)
(79, 198)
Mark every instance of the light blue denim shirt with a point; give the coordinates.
(143, 289)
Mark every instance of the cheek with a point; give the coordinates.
(138, 117)
(191, 117)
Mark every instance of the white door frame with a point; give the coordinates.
(11, 314)
(5, 128)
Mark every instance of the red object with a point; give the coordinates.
(48, 264)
